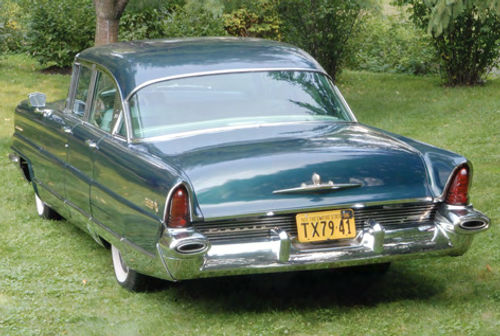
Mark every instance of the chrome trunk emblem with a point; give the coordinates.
(316, 179)
(317, 186)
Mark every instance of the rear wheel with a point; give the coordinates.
(44, 210)
(126, 277)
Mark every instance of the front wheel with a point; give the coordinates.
(126, 277)
(44, 210)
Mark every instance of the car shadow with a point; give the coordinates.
(312, 289)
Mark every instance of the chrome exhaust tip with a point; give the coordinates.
(191, 247)
(473, 225)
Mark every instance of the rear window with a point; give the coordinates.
(232, 100)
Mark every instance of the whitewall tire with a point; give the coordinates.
(43, 210)
(126, 277)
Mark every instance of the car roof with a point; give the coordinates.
(137, 63)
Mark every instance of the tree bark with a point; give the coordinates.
(108, 13)
(106, 31)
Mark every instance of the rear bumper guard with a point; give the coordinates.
(187, 254)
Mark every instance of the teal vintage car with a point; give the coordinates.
(223, 156)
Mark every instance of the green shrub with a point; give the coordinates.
(257, 18)
(392, 44)
(467, 42)
(194, 19)
(58, 30)
(144, 24)
(12, 33)
(322, 28)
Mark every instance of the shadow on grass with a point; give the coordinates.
(294, 290)
(304, 290)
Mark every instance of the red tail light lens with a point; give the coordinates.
(459, 187)
(178, 210)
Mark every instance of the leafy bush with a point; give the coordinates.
(322, 28)
(194, 19)
(12, 34)
(467, 42)
(144, 24)
(257, 18)
(392, 44)
(58, 30)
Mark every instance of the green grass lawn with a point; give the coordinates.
(54, 280)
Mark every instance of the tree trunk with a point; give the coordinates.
(106, 31)
(108, 13)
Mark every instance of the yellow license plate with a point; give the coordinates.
(325, 225)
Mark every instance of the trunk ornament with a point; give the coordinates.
(317, 187)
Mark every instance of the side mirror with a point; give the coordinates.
(37, 99)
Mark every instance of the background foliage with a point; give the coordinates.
(391, 44)
(195, 18)
(322, 27)
(353, 34)
(12, 26)
(58, 30)
(254, 18)
(467, 39)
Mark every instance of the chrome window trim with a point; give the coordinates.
(221, 72)
(75, 74)
(344, 102)
(90, 94)
(98, 67)
(218, 72)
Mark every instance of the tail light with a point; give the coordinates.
(178, 209)
(458, 189)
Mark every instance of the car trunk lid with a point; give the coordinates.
(237, 172)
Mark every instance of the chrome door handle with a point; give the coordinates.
(67, 130)
(91, 144)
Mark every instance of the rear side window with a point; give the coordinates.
(82, 90)
(106, 105)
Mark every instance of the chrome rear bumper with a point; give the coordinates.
(187, 254)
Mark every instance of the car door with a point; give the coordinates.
(121, 180)
(81, 145)
(48, 165)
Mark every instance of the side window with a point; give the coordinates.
(106, 106)
(82, 90)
